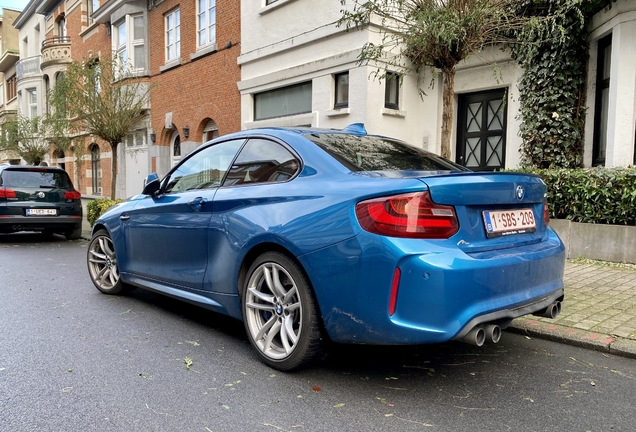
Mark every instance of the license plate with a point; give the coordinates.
(41, 212)
(508, 222)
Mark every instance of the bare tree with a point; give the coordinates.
(434, 33)
(101, 97)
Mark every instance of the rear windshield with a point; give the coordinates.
(35, 179)
(372, 153)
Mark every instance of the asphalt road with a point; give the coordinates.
(72, 359)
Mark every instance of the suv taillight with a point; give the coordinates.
(7, 193)
(412, 215)
(72, 195)
(546, 213)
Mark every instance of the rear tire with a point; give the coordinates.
(280, 313)
(102, 264)
(75, 233)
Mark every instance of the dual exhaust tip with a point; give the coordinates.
(492, 332)
(478, 335)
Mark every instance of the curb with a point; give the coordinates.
(611, 344)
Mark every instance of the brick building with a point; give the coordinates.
(187, 51)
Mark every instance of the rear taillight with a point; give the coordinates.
(7, 193)
(72, 195)
(412, 215)
(546, 213)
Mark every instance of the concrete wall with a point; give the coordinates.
(614, 243)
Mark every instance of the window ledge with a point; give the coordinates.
(88, 29)
(208, 49)
(273, 6)
(338, 112)
(170, 65)
(393, 112)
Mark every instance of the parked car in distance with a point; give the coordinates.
(36, 198)
(313, 235)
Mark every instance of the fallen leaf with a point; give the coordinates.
(340, 405)
(188, 362)
(316, 389)
(388, 415)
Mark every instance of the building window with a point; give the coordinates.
(603, 66)
(392, 91)
(61, 157)
(206, 22)
(129, 37)
(96, 172)
(61, 28)
(175, 148)
(342, 90)
(1, 94)
(283, 102)
(47, 92)
(210, 131)
(136, 139)
(173, 35)
(32, 101)
(12, 87)
(91, 6)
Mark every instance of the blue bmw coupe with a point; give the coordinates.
(309, 235)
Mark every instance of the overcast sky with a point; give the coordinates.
(14, 4)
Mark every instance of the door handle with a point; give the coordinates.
(197, 202)
(124, 216)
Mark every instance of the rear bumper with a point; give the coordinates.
(442, 294)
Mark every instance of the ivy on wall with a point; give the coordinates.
(552, 90)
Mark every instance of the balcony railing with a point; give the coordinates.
(55, 50)
(56, 41)
(27, 66)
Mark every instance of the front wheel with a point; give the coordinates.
(280, 313)
(102, 264)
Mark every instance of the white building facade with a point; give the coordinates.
(299, 69)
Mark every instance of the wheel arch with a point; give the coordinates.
(262, 248)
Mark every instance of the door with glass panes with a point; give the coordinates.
(481, 130)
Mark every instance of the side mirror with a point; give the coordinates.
(151, 184)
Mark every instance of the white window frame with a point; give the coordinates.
(205, 16)
(32, 102)
(172, 22)
(125, 50)
(137, 139)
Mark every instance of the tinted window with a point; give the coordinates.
(262, 161)
(204, 169)
(369, 153)
(36, 179)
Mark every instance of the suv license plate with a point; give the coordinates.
(41, 212)
(508, 222)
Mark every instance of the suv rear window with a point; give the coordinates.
(35, 179)
(372, 153)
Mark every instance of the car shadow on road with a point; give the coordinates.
(31, 238)
(344, 359)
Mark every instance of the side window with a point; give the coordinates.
(262, 161)
(205, 169)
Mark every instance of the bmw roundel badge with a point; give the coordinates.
(520, 192)
(40, 194)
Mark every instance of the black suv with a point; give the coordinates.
(34, 198)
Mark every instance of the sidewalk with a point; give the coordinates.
(599, 310)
